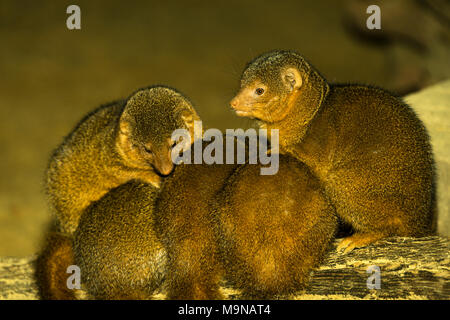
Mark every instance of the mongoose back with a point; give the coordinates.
(368, 148)
(116, 247)
(118, 142)
(273, 230)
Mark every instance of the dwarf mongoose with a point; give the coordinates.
(124, 140)
(114, 245)
(367, 147)
(183, 219)
(118, 142)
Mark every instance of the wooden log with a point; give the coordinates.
(410, 268)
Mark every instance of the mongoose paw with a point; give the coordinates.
(357, 240)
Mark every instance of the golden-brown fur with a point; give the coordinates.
(51, 267)
(185, 226)
(116, 247)
(116, 143)
(273, 229)
(264, 233)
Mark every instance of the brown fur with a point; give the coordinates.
(116, 143)
(116, 238)
(265, 233)
(110, 146)
(185, 226)
(125, 250)
(368, 148)
(51, 267)
(273, 229)
(116, 247)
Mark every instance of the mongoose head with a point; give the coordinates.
(146, 125)
(273, 83)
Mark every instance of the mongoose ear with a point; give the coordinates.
(124, 125)
(292, 78)
(188, 117)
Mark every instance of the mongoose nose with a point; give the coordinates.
(234, 103)
(166, 169)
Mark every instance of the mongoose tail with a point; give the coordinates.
(51, 267)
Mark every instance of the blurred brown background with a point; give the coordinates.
(50, 76)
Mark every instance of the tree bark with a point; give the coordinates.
(410, 268)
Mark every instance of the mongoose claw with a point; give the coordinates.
(345, 245)
(357, 240)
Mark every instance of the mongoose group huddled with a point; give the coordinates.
(349, 152)
(197, 232)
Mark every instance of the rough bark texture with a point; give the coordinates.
(432, 105)
(410, 269)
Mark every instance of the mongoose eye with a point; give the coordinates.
(148, 150)
(259, 91)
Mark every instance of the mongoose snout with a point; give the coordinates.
(162, 161)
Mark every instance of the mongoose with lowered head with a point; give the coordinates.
(262, 232)
(368, 148)
(124, 140)
(118, 142)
